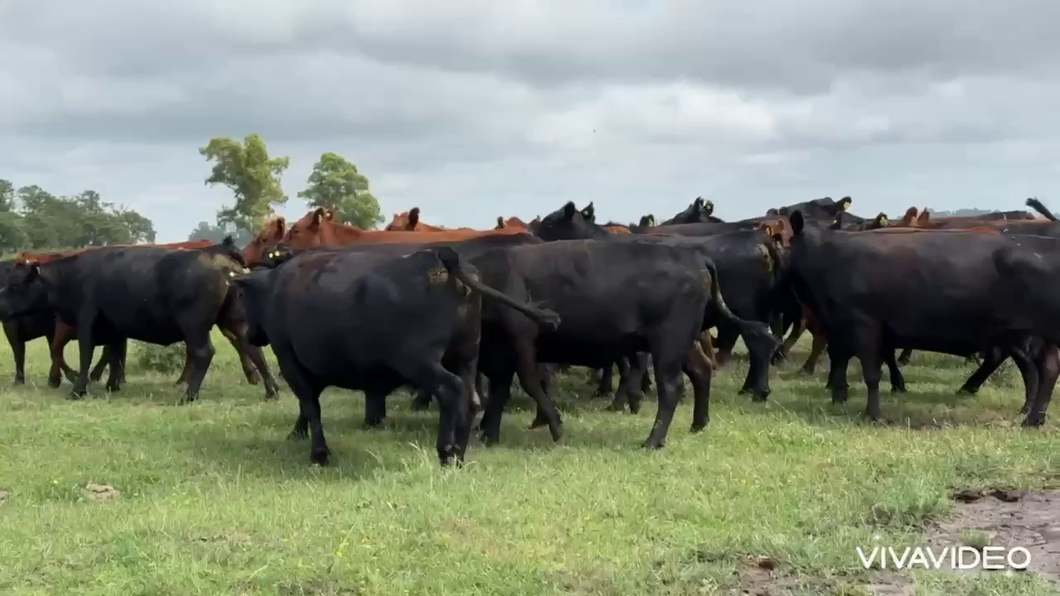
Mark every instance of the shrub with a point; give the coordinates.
(160, 359)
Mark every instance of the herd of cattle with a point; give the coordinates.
(457, 313)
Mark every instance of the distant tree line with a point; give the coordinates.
(33, 218)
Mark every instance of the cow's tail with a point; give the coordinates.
(451, 259)
(1040, 208)
(754, 333)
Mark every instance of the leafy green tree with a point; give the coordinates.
(48, 221)
(251, 174)
(7, 196)
(12, 234)
(336, 184)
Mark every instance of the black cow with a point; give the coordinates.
(748, 264)
(821, 209)
(465, 248)
(152, 294)
(374, 322)
(616, 299)
(950, 292)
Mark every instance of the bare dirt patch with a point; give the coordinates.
(100, 492)
(1007, 518)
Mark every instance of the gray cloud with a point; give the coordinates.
(472, 109)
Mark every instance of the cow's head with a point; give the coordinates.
(267, 237)
(568, 224)
(310, 230)
(23, 290)
(647, 221)
(404, 222)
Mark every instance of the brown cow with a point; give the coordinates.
(318, 229)
(410, 222)
(268, 237)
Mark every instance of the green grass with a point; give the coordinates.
(213, 500)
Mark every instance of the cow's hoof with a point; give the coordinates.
(1034, 421)
(253, 378)
(616, 406)
(271, 394)
(760, 396)
(539, 421)
(75, 396)
(602, 392)
(971, 391)
(372, 424)
(489, 439)
(698, 427)
(806, 371)
(113, 387)
(54, 382)
(297, 435)
(19, 382)
(634, 406)
(898, 389)
(557, 432)
(650, 444)
(319, 457)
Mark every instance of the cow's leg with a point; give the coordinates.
(115, 354)
(757, 381)
(897, 378)
(500, 390)
(607, 383)
(375, 408)
(837, 374)
(1048, 365)
(18, 350)
(727, 336)
(245, 361)
(628, 387)
(85, 347)
(306, 388)
(526, 366)
(101, 365)
(201, 353)
(670, 344)
(257, 357)
(1032, 381)
(63, 334)
(995, 357)
(907, 354)
(797, 330)
(865, 335)
(699, 369)
(185, 373)
(820, 343)
(645, 378)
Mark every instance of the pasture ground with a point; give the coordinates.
(211, 499)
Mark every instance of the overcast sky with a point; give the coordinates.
(473, 109)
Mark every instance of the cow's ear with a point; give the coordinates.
(228, 241)
(797, 223)
(773, 211)
(708, 207)
(319, 215)
(414, 217)
(281, 226)
(589, 213)
(768, 230)
(882, 221)
(500, 223)
(569, 210)
(844, 203)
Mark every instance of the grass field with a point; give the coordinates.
(211, 499)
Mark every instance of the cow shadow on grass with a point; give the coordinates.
(931, 400)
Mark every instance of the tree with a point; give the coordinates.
(7, 196)
(46, 221)
(337, 185)
(252, 176)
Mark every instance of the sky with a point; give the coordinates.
(473, 109)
